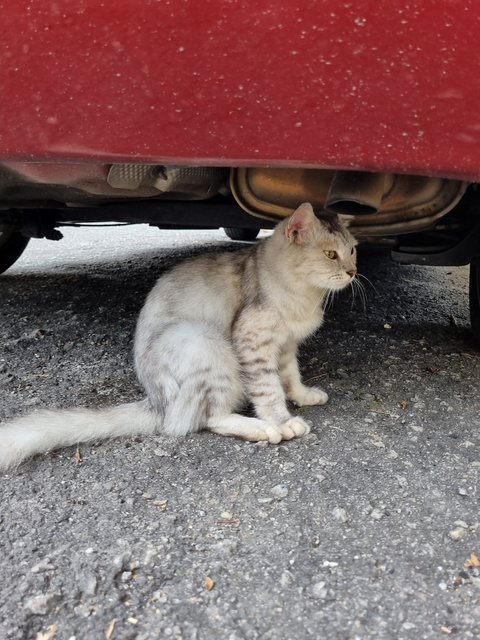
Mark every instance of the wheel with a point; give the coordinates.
(12, 245)
(241, 234)
(474, 296)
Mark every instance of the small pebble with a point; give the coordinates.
(41, 604)
(121, 560)
(88, 583)
(319, 590)
(340, 514)
(377, 513)
(328, 563)
(457, 534)
(462, 491)
(161, 453)
(408, 626)
(43, 565)
(475, 582)
(286, 578)
(279, 491)
(417, 428)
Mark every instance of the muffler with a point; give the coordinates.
(381, 204)
(356, 192)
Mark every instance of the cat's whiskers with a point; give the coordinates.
(353, 292)
(358, 287)
(328, 300)
(360, 275)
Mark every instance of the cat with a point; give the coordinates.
(217, 331)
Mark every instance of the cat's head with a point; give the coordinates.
(320, 247)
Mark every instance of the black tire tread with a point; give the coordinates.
(474, 298)
(245, 235)
(12, 245)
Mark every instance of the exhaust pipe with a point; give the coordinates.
(356, 192)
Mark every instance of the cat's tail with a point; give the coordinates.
(49, 429)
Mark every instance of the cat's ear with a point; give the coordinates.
(345, 219)
(300, 225)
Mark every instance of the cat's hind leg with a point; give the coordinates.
(190, 374)
(193, 382)
(253, 429)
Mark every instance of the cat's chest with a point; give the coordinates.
(301, 326)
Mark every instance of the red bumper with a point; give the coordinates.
(390, 85)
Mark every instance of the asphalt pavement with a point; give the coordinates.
(368, 528)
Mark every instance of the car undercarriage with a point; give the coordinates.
(423, 220)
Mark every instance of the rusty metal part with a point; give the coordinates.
(193, 182)
(357, 192)
(85, 183)
(131, 176)
(406, 204)
(201, 182)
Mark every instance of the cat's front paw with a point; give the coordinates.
(294, 427)
(309, 396)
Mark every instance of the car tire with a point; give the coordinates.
(474, 297)
(246, 235)
(12, 245)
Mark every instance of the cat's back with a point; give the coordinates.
(207, 287)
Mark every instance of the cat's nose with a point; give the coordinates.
(352, 273)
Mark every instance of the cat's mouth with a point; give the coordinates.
(340, 281)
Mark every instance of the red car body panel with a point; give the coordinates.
(390, 85)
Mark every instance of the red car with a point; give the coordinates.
(189, 114)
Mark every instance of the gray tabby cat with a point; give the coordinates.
(215, 332)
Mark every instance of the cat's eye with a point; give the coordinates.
(332, 255)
